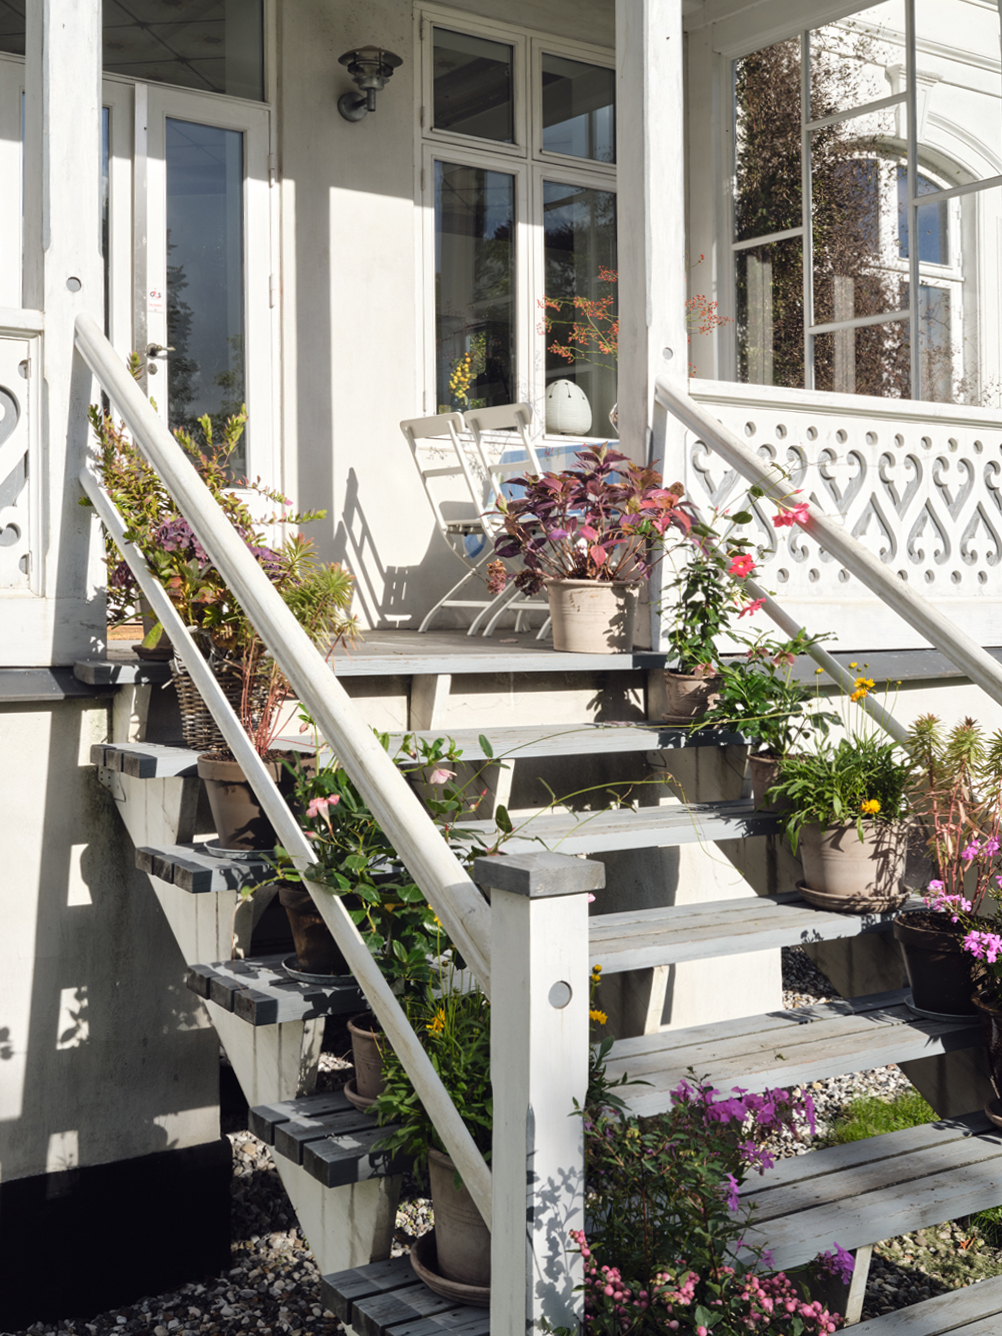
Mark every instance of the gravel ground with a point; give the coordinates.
(273, 1287)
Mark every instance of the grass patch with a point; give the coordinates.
(870, 1116)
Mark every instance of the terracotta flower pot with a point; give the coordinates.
(840, 866)
(689, 695)
(462, 1239)
(238, 816)
(316, 950)
(592, 616)
(764, 770)
(368, 1060)
(940, 971)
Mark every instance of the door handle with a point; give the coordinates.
(158, 350)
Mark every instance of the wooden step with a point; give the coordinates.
(876, 1189)
(387, 1299)
(975, 1310)
(785, 1048)
(328, 1136)
(193, 867)
(632, 828)
(260, 992)
(671, 934)
(150, 760)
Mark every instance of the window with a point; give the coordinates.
(837, 168)
(216, 46)
(519, 185)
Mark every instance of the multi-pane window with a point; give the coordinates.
(519, 176)
(852, 139)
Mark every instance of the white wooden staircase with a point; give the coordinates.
(271, 1028)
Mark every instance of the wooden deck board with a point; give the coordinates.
(670, 935)
(633, 828)
(349, 1157)
(784, 1048)
(190, 868)
(956, 1175)
(386, 1299)
(263, 1119)
(973, 1311)
(260, 992)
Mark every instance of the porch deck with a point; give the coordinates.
(406, 653)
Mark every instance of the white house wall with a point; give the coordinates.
(352, 291)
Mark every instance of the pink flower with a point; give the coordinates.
(741, 566)
(749, 608)
(441, 776)
(785, 659)
(318, 805)
(795, 515)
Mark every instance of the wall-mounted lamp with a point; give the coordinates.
(370, 67)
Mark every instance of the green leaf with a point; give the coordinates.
(486, 747)
(742, 517)
(503, 820)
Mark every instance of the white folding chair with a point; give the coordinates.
(510, 462)
(443, 460)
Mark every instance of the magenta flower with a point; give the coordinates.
(749, 608)
(741, 566)
(797, 514)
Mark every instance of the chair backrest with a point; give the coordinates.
(443, 430)
(522, 459)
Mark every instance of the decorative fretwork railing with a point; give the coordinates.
(919, 484)
(841, 547)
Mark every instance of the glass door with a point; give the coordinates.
(204, 317)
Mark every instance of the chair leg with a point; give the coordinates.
(443, 601)
(544, 629)
(494, 610)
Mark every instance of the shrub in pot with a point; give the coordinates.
(705, 598)
(319, 595)
(587, 536)
(957, 794)
(760, 698)
(454, 1027)
(680, 1175)
(848, 815)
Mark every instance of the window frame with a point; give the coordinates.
(529, 164)
(907, 150)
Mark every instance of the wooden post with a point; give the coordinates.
(650, 153)
(539, 1064)
(62, 277)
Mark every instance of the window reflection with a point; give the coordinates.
(474, 287)
(579, 226)
(473, 94)
(579, 109)
(205, 281)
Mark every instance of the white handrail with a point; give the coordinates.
(964, 652)
(464, 914)
(332, 724)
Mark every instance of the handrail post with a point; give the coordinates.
(539, 1062)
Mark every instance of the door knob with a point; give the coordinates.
(158, 350)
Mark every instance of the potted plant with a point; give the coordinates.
(760, 698)
(848, 813)
(956, 792)
(356, 860)
(454, 1027)
(586, 534)
(706, 600)
(319, 594)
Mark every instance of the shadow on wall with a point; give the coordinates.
(105, 1061)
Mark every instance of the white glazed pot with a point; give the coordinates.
(591, 616)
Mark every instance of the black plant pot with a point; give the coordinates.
(940, 971)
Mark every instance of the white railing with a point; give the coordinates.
(450, 891)
(831, 535)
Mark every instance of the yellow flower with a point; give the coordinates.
(599, 1017)
(858, 695)
(437, 1023)
(870, 807)
(854, 665)
(596, 970)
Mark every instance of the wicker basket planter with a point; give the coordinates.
(198, 728)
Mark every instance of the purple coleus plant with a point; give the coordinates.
(604, 520)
